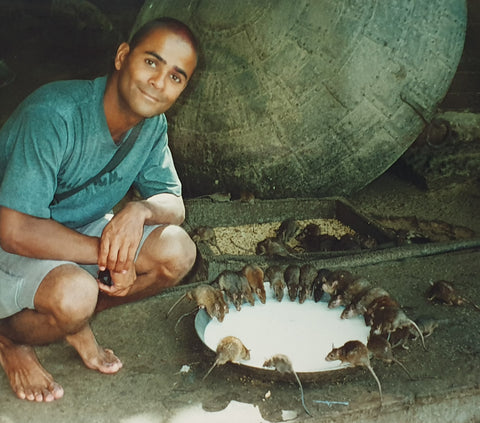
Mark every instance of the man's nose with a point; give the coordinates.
(158, 80)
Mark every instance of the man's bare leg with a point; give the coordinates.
(64, 303)
(66, 300)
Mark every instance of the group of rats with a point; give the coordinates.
(389, 325)
(301, 282)
(309, 239)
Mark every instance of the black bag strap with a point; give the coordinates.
(119, 155)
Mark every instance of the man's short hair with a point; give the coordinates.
(172, 24)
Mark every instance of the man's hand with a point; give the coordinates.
(121, 282)
(120, 240)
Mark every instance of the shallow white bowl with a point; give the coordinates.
(303, 332)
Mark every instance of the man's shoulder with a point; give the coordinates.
(67, 90)
(61, 94)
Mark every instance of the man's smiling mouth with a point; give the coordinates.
(149, 96)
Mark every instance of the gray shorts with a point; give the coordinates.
(21, 276)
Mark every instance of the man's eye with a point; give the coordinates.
(150, 62)
(175, 78)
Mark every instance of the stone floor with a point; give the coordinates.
(151, 387)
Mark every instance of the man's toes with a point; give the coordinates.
(20, 393)
(56, 390)
(47, 396)
(29, 395)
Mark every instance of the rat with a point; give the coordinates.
(308, 273)
(244, 287)
(312, 239)
(359, 304)
(292, 280)
(387, 317)
(381, 349)
(247, 197)
(282, 364)
(229, 349)
(274, 274)
(207, 297)
(272, 247)
(236, 287)
(337, 281)
(255, 277)
(444, 292)
(320, 279)
(384, 305)
(217, 197)
(428, 324)
(205, 234)
(353, 290)
(355, 353)
(287, 230)
(229, 284)
(348, 242)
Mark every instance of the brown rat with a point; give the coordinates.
(229, 349)
(381, 349)
(274, 274)
(383, 305)
(348, 242)
(217, 197)
(207, 297)
(428, 324)
(444, 292)
(354, 353)
(255, 277)
(292, 280)
(282, 364)
(205, 234)
(228, 283)
(387, 317)
(236, 287)
(273, 247)
(308, 273)
(337, 281)
(359, 304)
(320, 279)
(354, 289)
(312, 239)
(287, 230)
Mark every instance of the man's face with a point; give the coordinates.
(154, 73)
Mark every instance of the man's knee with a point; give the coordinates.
(69, 294)
(170, 250)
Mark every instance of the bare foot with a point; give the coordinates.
(28, 379)
(94, 356)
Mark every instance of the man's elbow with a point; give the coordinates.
(7, 239)
(9, 231)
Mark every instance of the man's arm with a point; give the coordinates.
(35, 237)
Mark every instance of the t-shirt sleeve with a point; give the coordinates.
(159, 175)
(30, 178)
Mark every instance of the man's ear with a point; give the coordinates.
(122, 53)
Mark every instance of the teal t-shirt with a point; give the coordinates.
(58, 138)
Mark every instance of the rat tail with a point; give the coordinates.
(419, 332)
(404, 368)
(301, 392)
(184, 315)
(210, 369)
(175, 304)
(378, 383)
